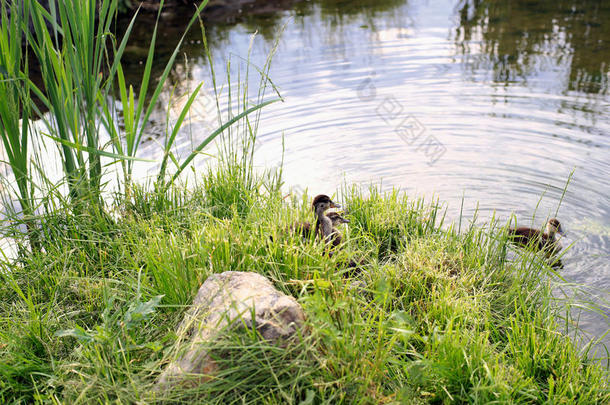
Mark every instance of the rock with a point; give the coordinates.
(229, 300)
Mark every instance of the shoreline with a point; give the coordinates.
(429, 315)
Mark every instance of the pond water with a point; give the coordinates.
(489, 101)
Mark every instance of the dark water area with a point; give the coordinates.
(492, 102)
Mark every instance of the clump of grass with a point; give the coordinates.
(439, 317)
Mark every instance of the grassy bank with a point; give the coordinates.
(431, 315)
(88, 309)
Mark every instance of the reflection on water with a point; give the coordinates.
(522, 40)
(514, 41)
(491, 101)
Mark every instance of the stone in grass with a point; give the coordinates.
(229, 299)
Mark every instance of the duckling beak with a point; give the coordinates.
(560, 231)
(345, 220)
(334, 205)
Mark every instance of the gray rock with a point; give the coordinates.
(235, 300)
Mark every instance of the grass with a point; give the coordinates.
(79, 58)
(431, 315)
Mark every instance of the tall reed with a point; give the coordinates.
(15, 108)
(71, 57)
(79, 59)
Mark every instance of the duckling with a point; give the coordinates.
(353, 266)
(324, 224)
(336, 219)
(305, 227)
(321, 203)
(541, 241)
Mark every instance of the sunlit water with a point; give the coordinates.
(495, 104)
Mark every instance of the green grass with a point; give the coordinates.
(90, 305)
(72, 45)
(431, 315)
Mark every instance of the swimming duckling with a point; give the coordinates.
(541, 241)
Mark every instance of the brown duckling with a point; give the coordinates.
(305, 228)
(324, 224)
(335, 237)
(540, 241)
(321, 203)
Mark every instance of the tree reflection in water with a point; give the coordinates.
(519, 39)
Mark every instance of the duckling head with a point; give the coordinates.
(337, 219)
(552, 227)
(323, 202)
